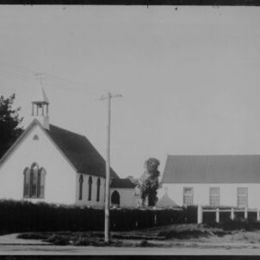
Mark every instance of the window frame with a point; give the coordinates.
(34, 182)
(98, 189)
(241, 195)
(185, 196)
(90, 181)
(214, 196)
(26, 182)
(81, 181)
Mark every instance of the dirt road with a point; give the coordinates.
(82, 250)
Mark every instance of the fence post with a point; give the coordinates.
(232, 216)
(245, 213)
(217, 215)
(258, 215)
(200, 215)
(155, 219)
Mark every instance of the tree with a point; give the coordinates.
(9, 123)
(149, 182)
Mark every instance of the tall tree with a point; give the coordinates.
(149, 183)
(9, 123)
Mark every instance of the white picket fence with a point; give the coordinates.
(232, 211)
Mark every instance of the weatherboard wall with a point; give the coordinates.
(128, 197)
(93, 202)
(228, 193)
(60, 180)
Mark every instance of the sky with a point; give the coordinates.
(189, 76)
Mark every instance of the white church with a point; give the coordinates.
(54, 165)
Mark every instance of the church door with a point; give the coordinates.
(115, 198)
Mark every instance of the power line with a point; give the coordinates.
(84, 86)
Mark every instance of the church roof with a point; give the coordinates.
(122, 183)
(77, 149)
(80, 152)
(212, 169)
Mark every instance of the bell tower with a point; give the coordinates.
(40, 109)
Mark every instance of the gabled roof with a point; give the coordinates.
(212, 169)
(122, 183)
(18, 140)
(80, 152)
(76, 148)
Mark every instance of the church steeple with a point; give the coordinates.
(40, 109)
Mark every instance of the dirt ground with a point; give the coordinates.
(167, 240)
(188, 235)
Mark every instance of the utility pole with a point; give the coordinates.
(108, 97)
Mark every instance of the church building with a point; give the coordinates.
(54, 165)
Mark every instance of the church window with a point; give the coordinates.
(98, 189)
(34, 182)
(26, 188)
(41, 177)
(89, 187)
(80, 186)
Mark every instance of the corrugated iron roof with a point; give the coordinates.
(122, 183)
(212, 169)
(80, 152)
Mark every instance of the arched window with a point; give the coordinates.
(115, 198)
(80, 186)
(34, 182)
(26, 183)
(89, 187)
(41, 185)
(98, 189)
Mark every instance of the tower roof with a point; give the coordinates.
(40, 96)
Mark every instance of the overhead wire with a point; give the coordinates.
(22, 73)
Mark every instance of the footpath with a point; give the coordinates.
(11, 239)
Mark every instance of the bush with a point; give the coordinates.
(58, 240)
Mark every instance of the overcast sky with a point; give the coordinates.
(189, 77)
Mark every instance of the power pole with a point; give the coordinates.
(108, 97)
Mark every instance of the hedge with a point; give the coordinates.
(22, 216)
